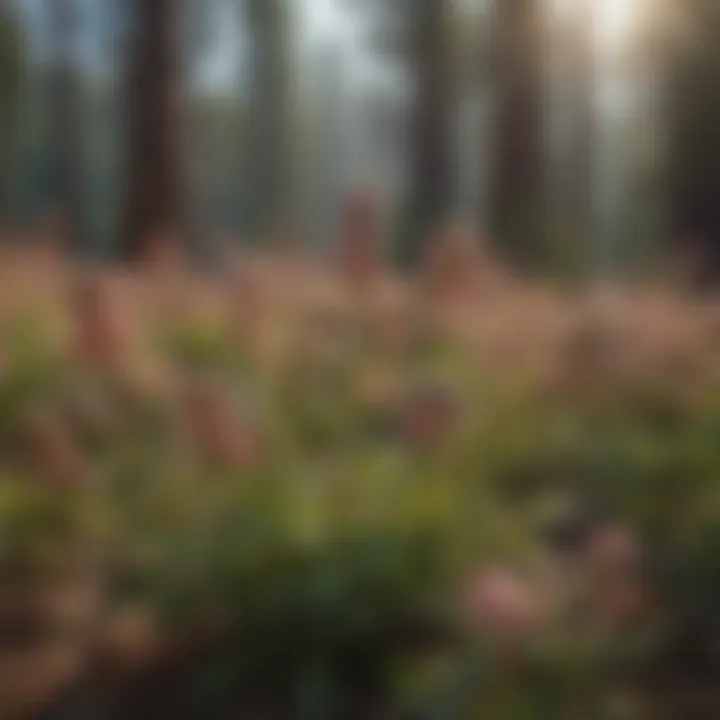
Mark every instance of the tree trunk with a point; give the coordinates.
(268, 140)
(581, 60)
(11, 82)
(432, 167)
(153, 176)
(517, 138)
(693, 157)
(66, 151)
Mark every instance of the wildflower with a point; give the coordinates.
(221, 434)
(52, 234)
(360, 239)
(458, 267)
(130, 639)
(246, 308)
(92, 412)
(451, 264)
(620, 603)
(33, 678)
(614, 550)
(163, 251)
(503, 607)
(101, 323)
(427, 417)
(616, 589)
(389, 319)
(55, 451)
(377, 387)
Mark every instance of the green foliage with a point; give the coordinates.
(333, 564)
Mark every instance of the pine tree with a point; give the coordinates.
(153, 174)
(269, 146)
(515, 198)
(693, 142)
(432, 166)
(11, 78)
(65, 101)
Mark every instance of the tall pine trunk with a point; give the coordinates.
(153, 174)
(693, 146)
(515, 198)
(11, 80)
(65, 109)
(268, 141)
(431, 162)
(581, 60)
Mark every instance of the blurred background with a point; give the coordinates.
(412, 412)
(577, 134)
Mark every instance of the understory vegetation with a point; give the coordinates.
(302, 491)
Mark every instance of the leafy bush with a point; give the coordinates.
(470, 498)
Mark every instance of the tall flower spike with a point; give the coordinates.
(101, 324)
(221, 434)
(360, 238)
(451, 265)
(55, 451)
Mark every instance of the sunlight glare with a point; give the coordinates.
(615, 18)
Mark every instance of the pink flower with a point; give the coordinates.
(221, 434)
(55, 451)
(614, 550)
(129, 639)
(620, 602)
(102, 330)
(91, 412)
(502, 606)
(377, 387)
(163, 251)
(360, 239)
(427, 417)
(617, 592)
(246, 307)
(389, 317)
(456, 267)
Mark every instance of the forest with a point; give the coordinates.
(357, 359)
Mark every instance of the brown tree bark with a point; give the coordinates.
(64, 101)
(12, 77)
(517, 137)
(581, 60)
(153, 173)
(432, 166)
(269, 146)
(691, 106)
